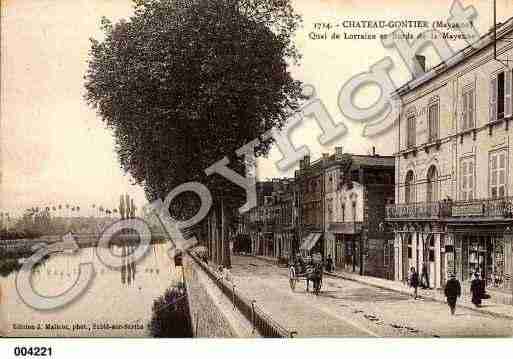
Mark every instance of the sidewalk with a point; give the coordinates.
(494, 309)
(489, 307)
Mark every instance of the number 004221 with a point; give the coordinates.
(33, 351)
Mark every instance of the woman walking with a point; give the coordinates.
(414, 281)
(476, 288)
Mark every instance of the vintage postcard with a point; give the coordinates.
(256, 169)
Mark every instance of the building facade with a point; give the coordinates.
(269, 227)
(310, 189)
(452, 211)
(357, 188)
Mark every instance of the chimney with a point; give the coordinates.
(339, 151)
(419, 65)
(373, 151)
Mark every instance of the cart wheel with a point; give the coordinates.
(292, 278)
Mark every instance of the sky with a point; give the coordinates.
(56, 150)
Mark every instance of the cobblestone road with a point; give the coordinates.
(352, 309)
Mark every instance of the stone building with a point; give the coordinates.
(269, 226)
(357, 188)
(283, 218)
(453, 212)
(260, 233)
(310, 189)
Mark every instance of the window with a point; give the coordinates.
(433, 116)
(432, 184)
(409, 246)
(409, 192)
(330, 211)
(500, 96)
(467, 115)
(497, 178)
(410, 131)
(343, 208)
(467, 179)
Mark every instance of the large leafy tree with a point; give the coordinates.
(184, 83)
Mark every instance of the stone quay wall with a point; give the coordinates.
(212, 313)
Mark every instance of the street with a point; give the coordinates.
(351, 309)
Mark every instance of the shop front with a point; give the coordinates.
(483, 249)
(347, 244)
(268, 244)
(420, 246)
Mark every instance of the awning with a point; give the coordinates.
(310, 240)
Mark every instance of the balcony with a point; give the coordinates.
(497, 208)
(488, 208)
(419, 211)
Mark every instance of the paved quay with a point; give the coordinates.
(353, 308)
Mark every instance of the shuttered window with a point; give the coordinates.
(409, 191)
(497, 177)
(507, 94)
(501, 99)
(411, 131)
(433, 121)
(467, 111)
(493, 99)
(467, 179)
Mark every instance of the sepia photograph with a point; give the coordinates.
(255, 169)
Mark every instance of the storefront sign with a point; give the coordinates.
(345, 227)
(467, 210)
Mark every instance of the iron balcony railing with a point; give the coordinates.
(492, 208)
(420, 210)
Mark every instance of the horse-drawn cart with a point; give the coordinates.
(307, 269)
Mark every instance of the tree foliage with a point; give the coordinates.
(183, 84)
(171, 317)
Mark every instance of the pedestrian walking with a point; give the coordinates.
(329, 263)
(452, 292)
(414, 281)
(424, 277)
(476, 288)
(227, 274)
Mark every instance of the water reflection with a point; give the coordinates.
(121, 296)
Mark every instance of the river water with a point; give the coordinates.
(118, 302)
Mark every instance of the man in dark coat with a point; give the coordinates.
(329, 263)
(452, 292)
(414, 281)
(476, 288)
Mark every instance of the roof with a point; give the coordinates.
(484, 41)
(315, 168)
